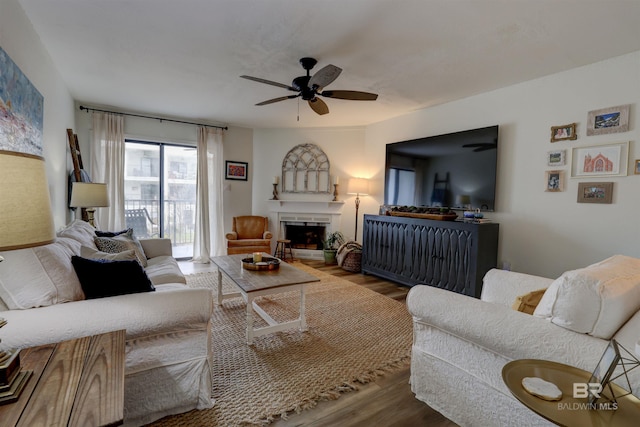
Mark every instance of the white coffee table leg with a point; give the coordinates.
(220, 296)
(303, 320)
(249, 319)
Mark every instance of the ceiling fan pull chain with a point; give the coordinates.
(298, 109)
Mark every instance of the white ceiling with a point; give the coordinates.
(183, 58)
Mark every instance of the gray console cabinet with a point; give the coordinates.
(446, 254)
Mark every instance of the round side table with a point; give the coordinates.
(569, 411)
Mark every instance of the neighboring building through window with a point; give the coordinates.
(160, 192)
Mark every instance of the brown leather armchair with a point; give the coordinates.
(250, 234)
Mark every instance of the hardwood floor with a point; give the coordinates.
(386, 402)
(382, 286)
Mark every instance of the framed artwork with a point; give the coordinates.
(556, 158)
(595, 192)
(563, 133)
(636, 168)
(600, 160)
(21, 110)
(236, 170)
(607, 364)
(608, 120)
(554, 181)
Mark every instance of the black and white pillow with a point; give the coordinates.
(120, 243)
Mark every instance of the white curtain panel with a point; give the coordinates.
(209, 232)
(107, 166)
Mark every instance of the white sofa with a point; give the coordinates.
(461, 344)
(168, 342)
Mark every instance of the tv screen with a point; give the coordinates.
(455, 170)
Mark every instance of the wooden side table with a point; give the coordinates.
(569, 411)
(74, 383)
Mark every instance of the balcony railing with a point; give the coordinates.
(178, 223)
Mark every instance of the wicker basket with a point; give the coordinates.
(350, 256)
(353, 262)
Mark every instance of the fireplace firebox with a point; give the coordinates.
(305, 236)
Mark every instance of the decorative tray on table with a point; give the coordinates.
(440, 214)
(267, 263)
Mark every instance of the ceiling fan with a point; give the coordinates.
(309, 87)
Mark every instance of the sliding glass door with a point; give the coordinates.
(160, 192)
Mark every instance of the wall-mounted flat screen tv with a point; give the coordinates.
(456, 170)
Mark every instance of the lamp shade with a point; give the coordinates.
(25, 208)
(359, 186)
(464, 199)
(89, 195)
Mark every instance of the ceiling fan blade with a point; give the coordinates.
(481, 146)
(281, 98)
(324, 76)
(269, 82)
(488, 147)
(319, 106)
(350, 94)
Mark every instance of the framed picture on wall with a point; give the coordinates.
(608, 120)
(556, 158)
(600, 160)
(554, 181)
(236, 170)
(564, 132)
(595, 192)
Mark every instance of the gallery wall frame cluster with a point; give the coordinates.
(604, 160)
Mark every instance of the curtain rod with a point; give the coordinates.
(154, 118)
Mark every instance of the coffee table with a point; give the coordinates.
(569, 411)
(254, 284)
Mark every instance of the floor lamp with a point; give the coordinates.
(27, 221)
(359, 187)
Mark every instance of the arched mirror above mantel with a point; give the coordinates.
(305, 169)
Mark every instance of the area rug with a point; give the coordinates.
(355, 335)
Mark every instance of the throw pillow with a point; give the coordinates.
(87, 252)
(40, 276)
(111, 233)
(79, 230)
(527, 303)
(596, 300)
(104, 278)
(121, 243)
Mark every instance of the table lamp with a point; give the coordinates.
(464, 201)
(359, 187)
(89, 195)
(26, 222)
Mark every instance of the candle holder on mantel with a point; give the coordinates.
(275, 192)
(335, 193)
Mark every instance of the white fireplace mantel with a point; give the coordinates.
(303, 206)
